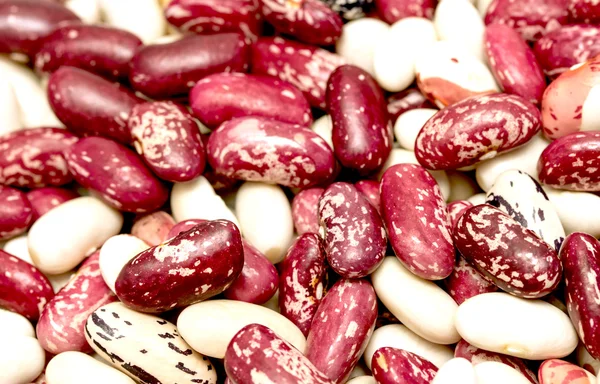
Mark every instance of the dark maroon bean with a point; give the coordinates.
(580, 255)
(23, 288)
(572, 162)
(304, 66)
(392, 366)
(172, 69)
(15, 212)
(584, 11)
(153, 228)
(342, 328)
(261, 149)
(193, 266)
(476, 129)
(404, 101)
(415, 215)
(218, 181)
(370, 188)
(302, 281)
(456, 210)
(215, 16)
(184, 226)
(305, 210)
(352, 231)
(35, 157)
(24, 23)
(309, 21)
(393, 10)
(505, 252)
(89, 105)
(117, 174)
(465, 282)
(362, 133)
(273, 359)
(168, 139)
(44, 199)
(223, 96)
(102, 50)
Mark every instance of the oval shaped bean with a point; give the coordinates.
(9, 108)
(144, 347)
(476, 129)
(584, 11)
(456, 210)
(323, 127)
(352, 9)
(261, 149)
(89, 105)
(211, 325)
(529, 329)
(465, 282)
(394, 10)
(408, 125)
(15, 212)
(576, 210)
(406, 100)
(305, 210)
(148, 24)
(459, 21)
(392, 365)
(223, 96)
(153, 228)
(88, 11)
(61, 239)
(492, 372)
(44, 199)
(457, 370)
(370, 189)
(15, 324)
(115, 253)
(22, 359)
(559, 371)
(77, 367)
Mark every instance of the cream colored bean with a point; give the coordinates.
(87, 10)
(409, 124)
(21, 359)
(362, 380)
(585, 360)
(457, 370)
(324, 127)
(115, 253)
(459, 21)
(143, 18)
(9, 108)
(578, 211)
(477, 199)
(357, 43)
(13, 324)
(77, 367)
(492, 372)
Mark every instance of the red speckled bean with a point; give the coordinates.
(404, 101)
(392, 366)
(193, 266)
(34, 157)
(513, 63)
(261, 149)
(23, 288)
(572, 162)
(566, 46)
(456, 210)
(172, 69)
(223, 96)
(306, 67)
(584, 11)
(117, 174)
(465, 282)
(504, 251)
(556, 371)
(15, 212)
(89, 105)
(44, 199)
(416, 218)
(215, 16)
(393, 10)
(218, 181)
(23, 23)
(61, 324)
(168, 139)
(580, 255)
(184, 226)
(475, 129)
(154, 228)
(305, 210)
(302, 281)
(370, 189)
(362, 133)
(342, 328)
(310, 21)
(99, 49)
(531, 18)
(273, 359)
(352, 231)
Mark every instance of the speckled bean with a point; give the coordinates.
(394, 10)
(456, 210)
(44, 199)
(153, 228)
(465, 282)
(370, 189)
(75, 367)
(15, 212)
(556, 371)
(584, 11)
(391, 365)
(305, 207)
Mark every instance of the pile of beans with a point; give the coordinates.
(300, 191)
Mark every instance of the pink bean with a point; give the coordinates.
(393, 10)
(153, 228)
(391, 365)
(223, 96)
(584, 11)
(465, 282)
(44, 199)
(404, 101)
(370, 189)
(342, 328)
(456, 210)
(89, 105)
(305, 210)
(15, 212)
(35, 157)
(306, 67)
(172, 69)
(417, 222)
(184, 226)
(117, 174)
(23, 288)
(556, 371)
(61, 324)
(362, 133)
(302, 281)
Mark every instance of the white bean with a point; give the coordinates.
(13, 324)
(357, 43)
(77, 367)
(143, 18)
(578, 211)
(459, 21)
(21, 359)
(87, 10)
(9, 108)
(362, 380)
(409, 124)
(492, 372)
(324, 128)
(115, 253)
(457, 370)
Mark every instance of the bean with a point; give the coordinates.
(457, 370)
(21, 359)
(459, 21)
(323, 127)
(370, 189)
(584, 11)
(75, 367)
(559, 371)
(87, 10)
(404, 101)
(115, 253)
(575, 209)
(15, 212)
(456, 210)
(408, 125)
(153, 228)
(148, 23)
(394, 10)
(305, 207)
(43, 200)
(465, 282)
(356, 45)
(492, 372)
(15, 324)
(392, 365)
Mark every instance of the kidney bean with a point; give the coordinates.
(394, 10)
(559, 371)
(529, 329)
(115, 253)
(494, 372)
(61, 323)
(465, 282)
(44, 199)
(459, 22)
(117, 174)
(362, 134)
(584, 11)
(531, 18)
(153, 228)
(352, 231)
(457, 370)
(24, 24)
(21, 359)
(261, 149)
(406, 100)
(350, 9)
(391, 365)
(144, 347)
(305, 207)
(172, 69)
(356, 45)
(370, 189)
(476, 129)
(456, 210)
(15, 212)
(99, 49)
(148, 24)
(75, 367)
(567, 46)
(90, 105)
(274, 359)
(306, 67)
(211, 325)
